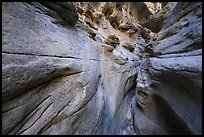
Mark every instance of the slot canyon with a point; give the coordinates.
(101, 68)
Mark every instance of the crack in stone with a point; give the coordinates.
(49, 124)
(27, 117)
(55, 56)
(176, 55)
(14, 107)
(36, 119)
(129, 92)
(100, 116)
(171, 69)
(49, 80)
(98, 122)
(58, 119)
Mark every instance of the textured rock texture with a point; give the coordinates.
(101, 68)
(169, 84)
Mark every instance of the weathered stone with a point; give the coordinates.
(107, 9)
(169, 83)
(97, 17)
(88, 14)
(80, 10)
(41, 66)
(128, 46)
(154, 24)
(124, 26)
(112, 40)
(65, 10)
(107, 47)
(107, 75)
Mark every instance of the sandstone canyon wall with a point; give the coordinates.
(110, 68)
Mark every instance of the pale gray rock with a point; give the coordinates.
(93, 69)
(54, 77)
(47, 85)
(169, 83)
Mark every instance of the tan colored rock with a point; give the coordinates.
(108, 48)
(112, 40)
(96, 17)
(128, 46)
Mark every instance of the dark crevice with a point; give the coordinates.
(127, 93)
(27, 117)
(133, 86)
(36, 119)
(99, 120)
(189, 10)
(21, 123)
(58, 119)
(194, 46)
(15, 105)
(49, 124)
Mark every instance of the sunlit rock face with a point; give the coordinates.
(75, 68)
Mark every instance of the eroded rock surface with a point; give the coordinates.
(100, 68)
(169, 88)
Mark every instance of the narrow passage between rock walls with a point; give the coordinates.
(101, 68)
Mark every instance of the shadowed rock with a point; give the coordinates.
(112, 40)
(65, 10)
